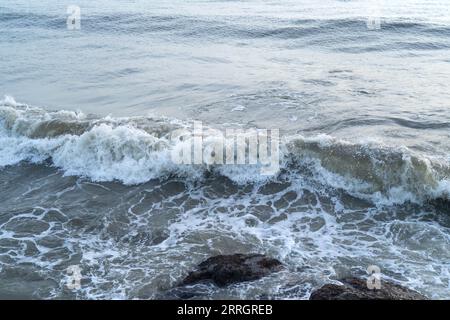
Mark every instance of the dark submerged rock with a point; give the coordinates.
(356, 289)
(224, 270)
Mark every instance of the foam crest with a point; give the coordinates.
(136, 150)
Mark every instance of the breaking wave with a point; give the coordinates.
(138, 149)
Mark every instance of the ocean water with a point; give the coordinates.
(87, 178)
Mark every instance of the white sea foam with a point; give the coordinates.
(126, 150)
(303, 217)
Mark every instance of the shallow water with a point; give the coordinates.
(364, 123)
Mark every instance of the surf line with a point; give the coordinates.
(201, 311)
(232, 147)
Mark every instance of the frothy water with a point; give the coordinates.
(86, 172)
